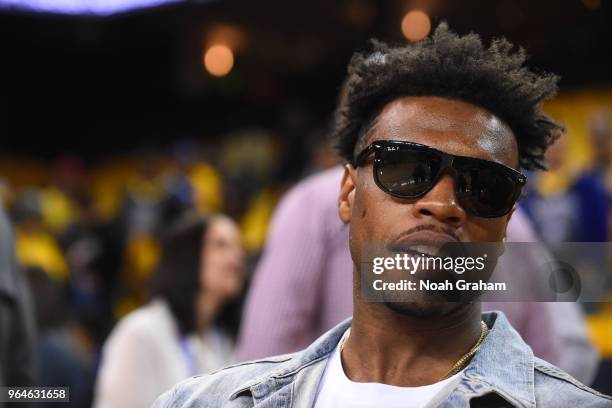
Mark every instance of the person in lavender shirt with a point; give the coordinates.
(299, 290)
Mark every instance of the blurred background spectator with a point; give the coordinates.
(567, 205)
(17, 331)
(188, 327)
(118, 119)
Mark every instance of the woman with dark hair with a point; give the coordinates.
(179, 333)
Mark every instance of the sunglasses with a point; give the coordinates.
(409, 170)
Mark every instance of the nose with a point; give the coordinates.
(441, 203)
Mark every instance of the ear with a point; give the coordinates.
(508, 217)
(502, 248)
(347, 193)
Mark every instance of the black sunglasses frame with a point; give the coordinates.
(446, 164)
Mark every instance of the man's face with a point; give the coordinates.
(378, 218)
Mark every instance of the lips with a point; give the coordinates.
(430, 236)
(429, 243)
(421, 250)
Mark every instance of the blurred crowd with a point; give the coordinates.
(90, 238)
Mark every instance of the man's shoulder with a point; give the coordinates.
(219, 387)
(324, 183)
(553, 385)
(297, 209)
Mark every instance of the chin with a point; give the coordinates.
(424, 309)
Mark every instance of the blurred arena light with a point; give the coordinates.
(225, 34)
(416, 25)
(219, 60)
(81, 7)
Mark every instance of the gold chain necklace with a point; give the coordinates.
(458, 366)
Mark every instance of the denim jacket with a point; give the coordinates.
(503, 373)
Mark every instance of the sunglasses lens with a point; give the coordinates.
(407, 173)
(485, 190)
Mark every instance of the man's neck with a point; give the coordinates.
(388, 347)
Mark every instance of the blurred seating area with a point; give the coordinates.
(88, 234)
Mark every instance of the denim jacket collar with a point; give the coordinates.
(504, 365)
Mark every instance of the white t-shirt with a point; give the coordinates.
(337, 390)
